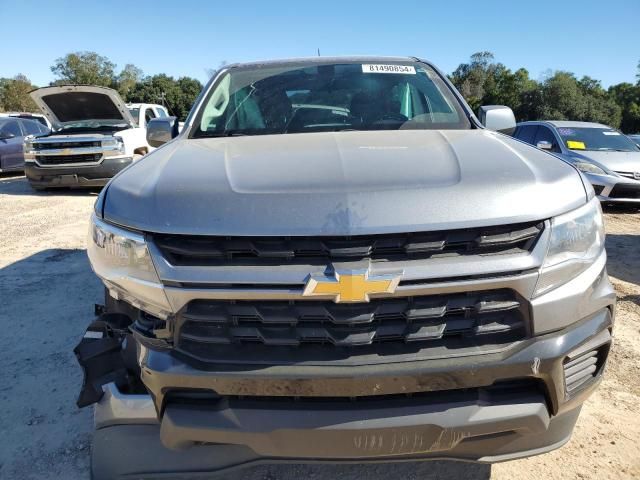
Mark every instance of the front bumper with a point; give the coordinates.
(615, 189)
(136, 451)
(465, 410)
(75, 176)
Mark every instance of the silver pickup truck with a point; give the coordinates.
(335, 260)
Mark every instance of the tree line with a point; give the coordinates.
(90, 68)
(557, 95)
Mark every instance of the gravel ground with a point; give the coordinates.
(47, 293)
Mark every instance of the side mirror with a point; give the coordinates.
(544, 145)
(498, 117)
(161, 130)
(6, 136)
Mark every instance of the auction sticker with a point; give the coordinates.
(574, 145)
(379, 68)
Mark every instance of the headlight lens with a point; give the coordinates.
(587, 167)
(121, 259)
(124, 252)
(113, 146)
(577, 240)
(27, 147)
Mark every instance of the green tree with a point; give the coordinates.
(484, 82)
(84, 68)
(177, 95)
(566, 98)
(627, 96)
(189, 90)
(127, 79)
(14, 94)
(473, 78)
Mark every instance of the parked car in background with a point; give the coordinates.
(38, 117)
(142, 113)
(12, 134)
(94, 137)
(609, 159)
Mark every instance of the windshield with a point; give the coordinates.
(601, 139)
(328, 97)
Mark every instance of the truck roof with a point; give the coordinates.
(322, 60)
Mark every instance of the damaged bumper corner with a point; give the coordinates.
(107, 354)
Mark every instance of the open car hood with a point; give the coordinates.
(67, 104)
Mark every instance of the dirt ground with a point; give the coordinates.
(47, 292)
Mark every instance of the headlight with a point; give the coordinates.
(121, 259)
(587, 167)
(113, 146)
(577, 240)
(27, 147)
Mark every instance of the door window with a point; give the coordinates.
(148, 115)
(526, 133)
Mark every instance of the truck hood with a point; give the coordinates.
(67, 104)
(342, 183)
(616, 161)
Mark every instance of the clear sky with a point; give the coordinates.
(187, 37)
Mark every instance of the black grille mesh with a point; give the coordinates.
(60, 145)
(479, 318)
(66, 159)
(202, 250)
(623, 190)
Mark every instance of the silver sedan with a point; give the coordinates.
(609, 159)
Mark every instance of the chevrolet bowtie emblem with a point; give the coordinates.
(353, 287)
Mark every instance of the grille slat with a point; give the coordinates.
(59, 145)
(581, 370)
(67, 159)
(186, 250)
(474, 318)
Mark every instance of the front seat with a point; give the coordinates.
(276, 108)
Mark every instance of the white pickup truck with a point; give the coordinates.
(143, 112)
(94, 136)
